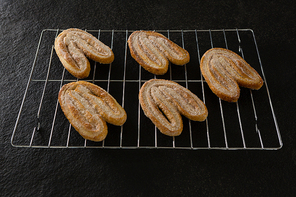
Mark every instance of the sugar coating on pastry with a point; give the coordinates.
(88, 107)
(224, 71)
(153, 51)
(74, 46)
(164, 101)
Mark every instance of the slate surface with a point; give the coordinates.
(84, 172)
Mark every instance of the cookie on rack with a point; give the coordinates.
(153, 51)
(73, 46)
(164, 101)
(88, 107)
(224, 71)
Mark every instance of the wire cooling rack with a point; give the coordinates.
(249, 124)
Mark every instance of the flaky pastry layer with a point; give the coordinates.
(73, 46)
(88, 107)
(224, 71)
(164, 101)
(153, 51)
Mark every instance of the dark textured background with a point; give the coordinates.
(84, 172)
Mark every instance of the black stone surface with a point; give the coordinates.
(91, 172)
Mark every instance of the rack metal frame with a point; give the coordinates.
(124, 81)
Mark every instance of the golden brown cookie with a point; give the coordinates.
(225, 71)
(88, 107)
(164, 101)
(74, 45)
(153, 51)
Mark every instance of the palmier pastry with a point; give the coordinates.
(153, 51)
(163, 101)
(225, 71)
(88, 107)
(74, 45)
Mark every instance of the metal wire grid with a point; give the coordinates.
(37, 128)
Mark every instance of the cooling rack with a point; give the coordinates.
(249, 124)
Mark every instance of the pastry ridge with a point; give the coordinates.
(224, 71)
(88, 107)
(164, 101)
(73, 46)
(153, 51)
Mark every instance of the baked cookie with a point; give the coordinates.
(164, 101)
(153, 51)
(225, 71)
(88, 107)
(73, 46)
